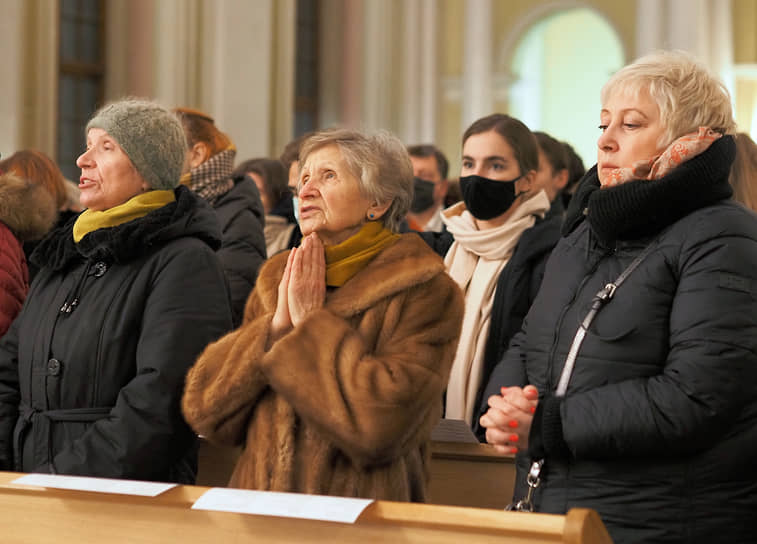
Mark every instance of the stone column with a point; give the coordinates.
(478, 96)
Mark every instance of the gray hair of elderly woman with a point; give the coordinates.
(379, 161)
(687, 94)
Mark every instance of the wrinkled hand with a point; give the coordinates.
(508, 420)
(306, 289)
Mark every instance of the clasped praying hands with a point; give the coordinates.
(302, 288)
(508, 419)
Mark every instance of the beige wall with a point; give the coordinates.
(28, 90)
(745, 31)
(235, 58)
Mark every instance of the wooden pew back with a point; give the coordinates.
(34, 514)
(462, 474)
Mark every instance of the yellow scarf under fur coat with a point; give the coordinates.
(348, 258)
(343, 404)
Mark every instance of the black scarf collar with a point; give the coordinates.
(187, 215)
(642, 208)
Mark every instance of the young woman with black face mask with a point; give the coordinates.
(488, 259)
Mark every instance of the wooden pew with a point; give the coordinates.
(35, 514)
(462, 474)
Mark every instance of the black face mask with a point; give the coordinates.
(423, 195)
(487, 198)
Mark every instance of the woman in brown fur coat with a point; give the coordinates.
(334, 380)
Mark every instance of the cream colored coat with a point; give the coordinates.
(343, 404)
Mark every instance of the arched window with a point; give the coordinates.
(559, 67)
(81, 76)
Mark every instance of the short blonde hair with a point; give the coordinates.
(379, 161)
(686, 93)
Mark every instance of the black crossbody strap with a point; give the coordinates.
(600, 299)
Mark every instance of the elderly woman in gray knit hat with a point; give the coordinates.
(128, 294)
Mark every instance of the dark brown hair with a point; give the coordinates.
(515, 133)
(274, 176)
(428, 150)
(553, 150)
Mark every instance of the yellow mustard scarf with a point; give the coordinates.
(348, 258)
(134, 208)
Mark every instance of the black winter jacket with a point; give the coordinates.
(92, 370)
(242, 251)
(658, 429)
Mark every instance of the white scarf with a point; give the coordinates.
(475, 261)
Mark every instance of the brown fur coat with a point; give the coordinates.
(344, 403)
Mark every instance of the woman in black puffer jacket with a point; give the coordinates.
(657, 430)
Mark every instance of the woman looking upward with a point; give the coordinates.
(333, 382)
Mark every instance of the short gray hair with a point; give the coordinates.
(686, 93)
(379, 161)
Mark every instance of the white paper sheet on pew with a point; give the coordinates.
(98, 485)
(289, 505)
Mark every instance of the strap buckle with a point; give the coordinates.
(607, 292)
(533, 480)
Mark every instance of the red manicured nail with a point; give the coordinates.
(512, 423)
(513, 438)
(502, 390)
(533, 409)
(513, 450)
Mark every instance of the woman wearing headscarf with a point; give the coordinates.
(333, 383)
(209, 164)
(91, 371)
(642, 342)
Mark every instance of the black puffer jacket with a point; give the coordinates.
(658, 429)
(240, 213)
(95, 390)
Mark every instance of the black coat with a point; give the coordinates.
(658, 429)
(242, 251)
(95, 391)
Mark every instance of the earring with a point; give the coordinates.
(370, 215)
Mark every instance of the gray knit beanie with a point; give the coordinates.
(151, 136)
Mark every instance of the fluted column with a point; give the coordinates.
(429, 71)
(650, 23)
(11, 44)
(478, 96)
(377, 59)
